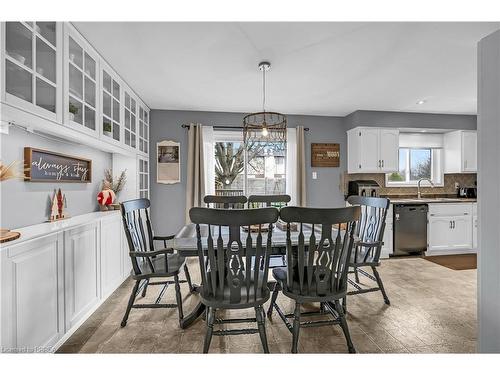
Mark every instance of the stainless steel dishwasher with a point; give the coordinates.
(410, 228)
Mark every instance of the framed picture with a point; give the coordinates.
(325, 155)
(168, 162)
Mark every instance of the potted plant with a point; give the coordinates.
(8, 172)
(107, 129)
(73, 110)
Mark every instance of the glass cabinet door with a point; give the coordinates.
(130, 130)
(143, 130)
(143, 178)
(31, 50)
(111, 90)
(82, 85)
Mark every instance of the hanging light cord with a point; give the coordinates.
(263, 90)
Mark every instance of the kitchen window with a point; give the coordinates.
(417, 163)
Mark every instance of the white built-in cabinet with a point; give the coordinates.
(372, 150)
(32, 294)
(81, 262)
(32, 67)
(474, 226)
(143, 180)
(55, 82)
(460, 151)
(50, 283)
(450, 228)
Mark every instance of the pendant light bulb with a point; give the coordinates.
(265, 132)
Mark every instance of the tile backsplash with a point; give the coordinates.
(463, 179)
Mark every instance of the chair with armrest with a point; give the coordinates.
(147, 262)
(227, 202)
(317, 266)
(234, 264)
(369, 241)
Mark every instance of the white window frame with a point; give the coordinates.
(237, 136)
(437, 169)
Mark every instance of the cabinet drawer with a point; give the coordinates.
(450, 209)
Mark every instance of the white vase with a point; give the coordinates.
(72, 116)
(108, 134)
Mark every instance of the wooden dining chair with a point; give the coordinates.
(234, 265)
(147, 262)
(370, 234)
(317, 265)
(281, 200)
(278, 201)
(229, 201)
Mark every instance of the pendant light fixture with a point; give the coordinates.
(264, 126)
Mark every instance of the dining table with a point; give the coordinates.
(185, 243)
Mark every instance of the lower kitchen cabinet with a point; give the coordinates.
(81, 270)
(50, 283)
(32, 295)
(450, 228)
(111, 254)
(388, 246)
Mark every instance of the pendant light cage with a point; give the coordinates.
(264, 126)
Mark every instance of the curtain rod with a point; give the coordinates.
(221, 127)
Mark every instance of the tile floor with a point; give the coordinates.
(433, 310)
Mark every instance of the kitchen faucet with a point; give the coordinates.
(419, 195)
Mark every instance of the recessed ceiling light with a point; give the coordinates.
(421, 102)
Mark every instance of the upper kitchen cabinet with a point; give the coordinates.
(372, 150)
(111, 98)
(81, 78)
(31, 64)
(460, 151)
(143, 129)
(131, 121)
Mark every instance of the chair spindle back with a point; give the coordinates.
(229, 201)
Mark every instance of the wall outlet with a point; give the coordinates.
(457, 185)
(315, 175)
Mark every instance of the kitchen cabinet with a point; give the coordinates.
(388, 247)
(31, 64)
(81, 83)
(130, 125)
(111, 254)
(449, 228)
(55, 276)
(143, 180)
(81, 265)
(111, 101)
(143, 129)
(460, 151)
(372, 150)
(32, 294)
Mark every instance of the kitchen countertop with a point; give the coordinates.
(415, 200)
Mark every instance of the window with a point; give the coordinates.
(258, 170)
(417, 163)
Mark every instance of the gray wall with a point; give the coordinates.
(27, 203)
(488, 136)
(169, 200)
(409, 120)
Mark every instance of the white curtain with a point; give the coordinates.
(195, 189)
(208, 158)
(296, 166)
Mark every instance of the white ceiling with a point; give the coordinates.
(317, 68)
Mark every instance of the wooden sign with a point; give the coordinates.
(325, 155)
(48, 166)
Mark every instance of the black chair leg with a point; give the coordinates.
(130, 303)
(344, 304)
(356, 275)
(260, 315)
(178, 297)
(296, 328)
(273, 299)
(380, 285)
(188, 278)
(345, 328)
(210, 328)
(146, 284)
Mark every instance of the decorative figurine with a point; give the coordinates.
(57, 206)
(106, 198)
